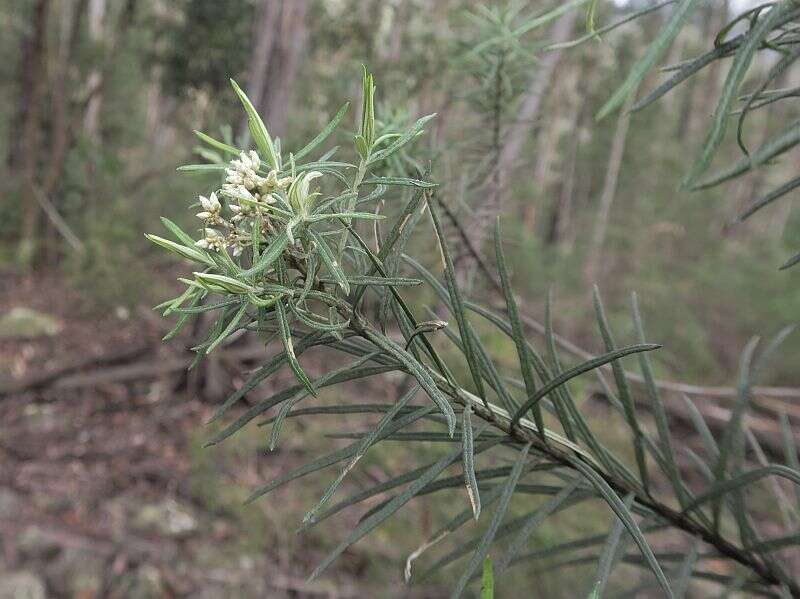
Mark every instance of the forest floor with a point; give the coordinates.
(106, 490)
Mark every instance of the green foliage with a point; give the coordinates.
(281, 254)
(209, 43)
(769, 27)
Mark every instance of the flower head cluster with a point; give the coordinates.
(247, 187)
(244, 172)
(211, 209)
(252, 194)
(213, 240)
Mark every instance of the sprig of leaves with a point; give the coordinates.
(302, 278)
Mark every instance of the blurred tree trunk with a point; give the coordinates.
(545, 159)
(562, 214)
(560, 224)
(24, 153)
(559, 221)
(69, 36)
(61, 134)
(286, 58)
(110, 39)
(264, 34)
(91, 117)
(594, 256)
(513, 142)
(280, 41)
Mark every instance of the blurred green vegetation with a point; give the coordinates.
(705, 285)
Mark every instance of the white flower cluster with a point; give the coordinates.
(244, 184)
(252, 193)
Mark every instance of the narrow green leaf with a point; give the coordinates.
(257, 129)
(184, 316)
(685, 573)
(179, 233)
(367, 525)
(786, 506)
(288, 345)
(548, 17)
(365, 443)
(347, 215)
(468, 459)
(774, 73)
(561, 399)
(590, 35)
(217, 144)
(497, 518)
(608, 557)
(702, 428)
(208, 307)
(339, 410)
(741, 480)
(732, 443)
(624, 514)
(741, 63)
(201, 168)
(402, 181)
(419, 372)
(487, 579)
(415, 131)
(580, 369)
(768, 198)
(654, 51)
(662, 425)
(790, 451)
(222, 283)
(518, 336)
(329, 260)
(456, 302)
(788, 138)
(686, 71)
(228, 328)
(190, 253)
(790, 262)
(274, 250)
(381, 281)
(624, 391)
(333, 457)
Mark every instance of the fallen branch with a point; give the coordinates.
(118, 367)
(41, 380)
